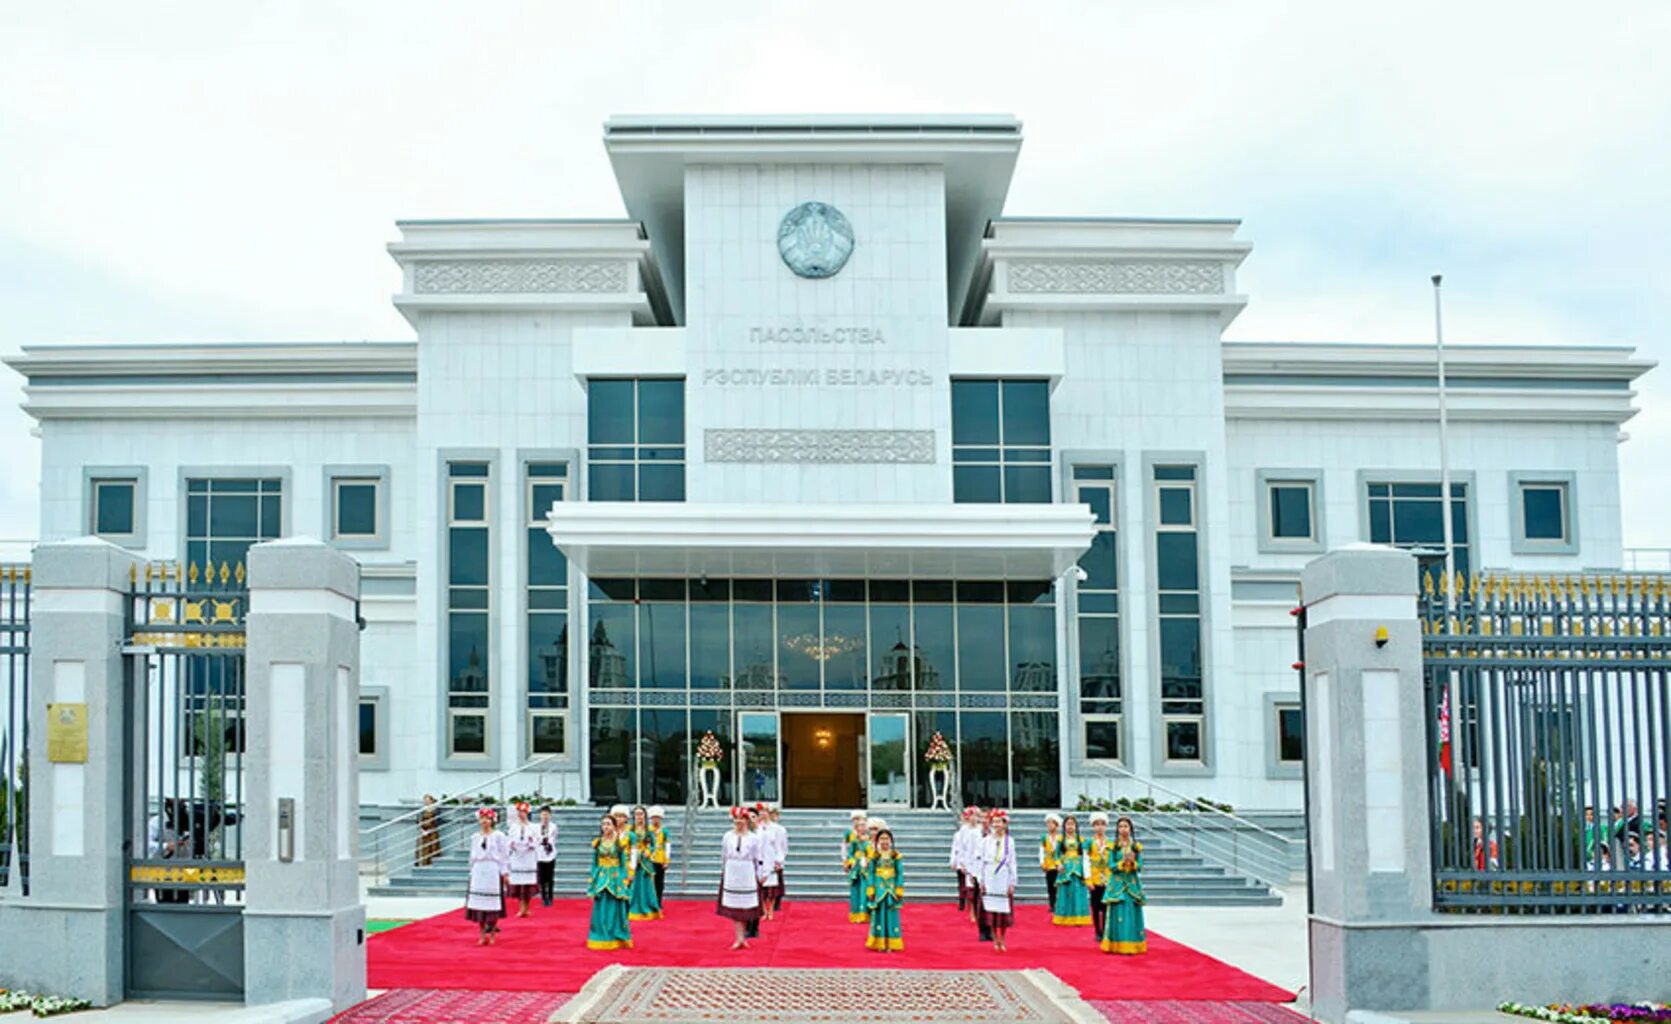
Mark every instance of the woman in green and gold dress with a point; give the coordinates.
(1123, 930)
(853, 862)
(1073, 905)
(610, 889)
(884, 892)
(643, 904)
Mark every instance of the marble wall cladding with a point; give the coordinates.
(862, 350)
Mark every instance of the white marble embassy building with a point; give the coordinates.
(822, 450)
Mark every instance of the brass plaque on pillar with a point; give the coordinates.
(66, 733)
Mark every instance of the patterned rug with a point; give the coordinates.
(660, 995)
(429, 1006)
(1173, 1012)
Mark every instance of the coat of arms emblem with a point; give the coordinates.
(815, 240)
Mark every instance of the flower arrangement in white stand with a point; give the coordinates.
(709, 754)
(939, 758)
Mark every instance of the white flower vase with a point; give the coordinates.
(709, 778)
(939, 786)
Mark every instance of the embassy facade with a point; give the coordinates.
(822, 452)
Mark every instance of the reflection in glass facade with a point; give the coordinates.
(670, 659)
(546, 579)
(1408, 515)
(1001, 441)
(1183, 706)
(1101, 696)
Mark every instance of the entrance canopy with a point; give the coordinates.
(954, 541)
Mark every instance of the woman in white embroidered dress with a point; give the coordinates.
(739, 882)
(524, 871)
(490, 863)
(997, 873)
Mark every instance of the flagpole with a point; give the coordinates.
(1444, 439)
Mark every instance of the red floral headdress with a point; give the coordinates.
(487, 814)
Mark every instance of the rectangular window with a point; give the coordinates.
(1410, 515)
(225, 517)
(1183, 705)
(468, 601)
(1543, 522)
(547, 732)
(546, 604)
(1101, 693)
(635, 440)
(356, 508)
(368, 728)
(114, 508)
(1292, 503)
(1290, 735)
(1001, 441)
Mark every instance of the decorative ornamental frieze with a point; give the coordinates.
(850, 447)
(527, 277)
(1117, 277)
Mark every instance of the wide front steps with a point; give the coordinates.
(1171, 875)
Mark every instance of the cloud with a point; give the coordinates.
(192, 169)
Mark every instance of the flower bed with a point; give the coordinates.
(40, 1006)
(1567, 1013)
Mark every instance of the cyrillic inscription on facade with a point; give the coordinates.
(818, 446)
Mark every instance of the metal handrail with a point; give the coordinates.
(1096, 768)
(371, 839)
(478, 787)
(1226, 851)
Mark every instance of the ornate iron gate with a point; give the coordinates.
(185, 751)
(14, 732)
(1549, 763)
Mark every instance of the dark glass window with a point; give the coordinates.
(1290, 734)
(635, 440)
(1036, 759)
(1291, 511)
(1102, 739)
(468, 599)
(1098, 619)
(610, 735)
(984, 744)
(368, 728)
(225, 517)
(1001, 441)
(1408, 515)
(663, 755)
(546, 605)
(840, 645)
(1178, 607)
(547, 733)
(1544, 509)
(113, 507)
(356, 508)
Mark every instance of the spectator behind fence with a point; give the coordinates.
(1485, 851)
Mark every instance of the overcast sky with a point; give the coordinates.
(231, 171)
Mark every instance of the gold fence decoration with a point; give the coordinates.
(180, 874)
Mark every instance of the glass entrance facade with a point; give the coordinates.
(975, 660)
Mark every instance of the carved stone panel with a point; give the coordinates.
(818, 446)
(1117, 277)
(528, 277)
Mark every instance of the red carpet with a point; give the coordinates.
(547, 952)
(418, 1006)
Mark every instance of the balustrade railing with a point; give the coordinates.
(1219, 837)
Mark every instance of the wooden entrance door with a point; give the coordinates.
(821, 760)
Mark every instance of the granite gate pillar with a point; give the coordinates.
(304, 926)
(67, 937)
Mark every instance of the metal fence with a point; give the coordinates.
(15, 594)
(1549, 766)
(185, 743)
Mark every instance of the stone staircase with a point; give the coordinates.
(1172, 876)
